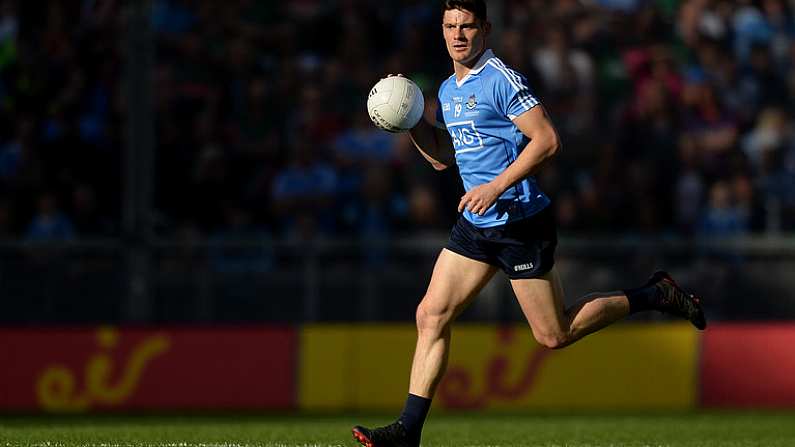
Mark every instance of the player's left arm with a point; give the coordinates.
(544, 144)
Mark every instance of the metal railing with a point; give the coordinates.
(205, 281)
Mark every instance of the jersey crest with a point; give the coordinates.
(472, 102)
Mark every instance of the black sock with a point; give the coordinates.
(641, 298)
(414, 414)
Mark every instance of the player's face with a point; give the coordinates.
(464, 36)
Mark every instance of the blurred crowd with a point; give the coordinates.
(60, 121)
(676, 116)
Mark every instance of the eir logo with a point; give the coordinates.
(499, 376)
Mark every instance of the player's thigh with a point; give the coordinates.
(542, 302)
(455, 281)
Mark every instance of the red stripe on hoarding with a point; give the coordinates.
(748, 365)
(132, 369)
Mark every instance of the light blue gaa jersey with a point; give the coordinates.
(478, 112)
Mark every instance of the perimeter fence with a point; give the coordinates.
(250, 281)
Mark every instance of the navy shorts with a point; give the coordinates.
(522, 249)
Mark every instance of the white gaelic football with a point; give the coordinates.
(395, 104)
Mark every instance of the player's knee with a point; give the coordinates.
(552, 340)
(432, 319)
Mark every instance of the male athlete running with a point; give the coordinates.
(501, 136)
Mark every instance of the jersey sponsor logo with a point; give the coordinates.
(465, 136)
(523, 267)
(446, 107)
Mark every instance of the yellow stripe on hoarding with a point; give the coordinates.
(625, 366)
(628, 366)
(354, 367)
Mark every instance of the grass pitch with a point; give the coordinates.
(727, 429)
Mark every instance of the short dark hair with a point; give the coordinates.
(476, 7)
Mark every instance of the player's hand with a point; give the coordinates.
(480, 198)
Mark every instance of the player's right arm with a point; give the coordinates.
(433, 143)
